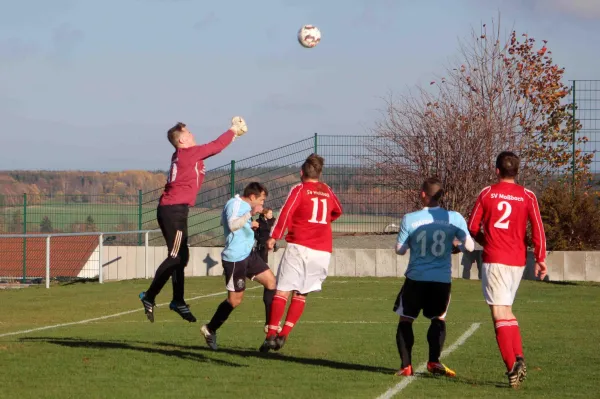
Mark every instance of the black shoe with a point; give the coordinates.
(279, 342)
(523, 369)
(270, 343)
(183, 310)
(148, 307)
(514, 375)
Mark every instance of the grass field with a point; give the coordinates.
(343, 347)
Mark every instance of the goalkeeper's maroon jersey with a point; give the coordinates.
(307, 214)
(504, 209)
(187, 170)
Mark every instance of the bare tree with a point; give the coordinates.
(500, 94)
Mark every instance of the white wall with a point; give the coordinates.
(123, 263)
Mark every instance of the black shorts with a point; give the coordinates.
(237, 272)
(173, 222)
(431, 297)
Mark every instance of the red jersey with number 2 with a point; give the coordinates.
(504, 209)
(307, 214)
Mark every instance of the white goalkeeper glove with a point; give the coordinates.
(238, 126)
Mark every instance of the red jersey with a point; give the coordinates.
(504, 208)
(187, 170)
(307, 214)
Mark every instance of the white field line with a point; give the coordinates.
(302, 322)
(407, 380)
(105, 317)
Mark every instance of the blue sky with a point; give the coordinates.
(94, 85)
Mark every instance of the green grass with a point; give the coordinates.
(343, 347)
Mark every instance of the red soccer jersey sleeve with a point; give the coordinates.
(503, 210)
(307, 214)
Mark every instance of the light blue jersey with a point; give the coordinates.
(239, 238)
(429, 234)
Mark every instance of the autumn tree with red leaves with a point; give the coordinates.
(502, 94)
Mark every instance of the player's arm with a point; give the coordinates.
(336, 210)
(462, 234)
(474, 226)
(235, 221)
(403, 236)
(537, 227)
(288, 209)
(238, 128)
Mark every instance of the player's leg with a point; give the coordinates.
(310, 279)
(497, 288)
(178, 304)
(171, 220)
(435, 307)
(259, 271)
(235, 282)
(407, 306)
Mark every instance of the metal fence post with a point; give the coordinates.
(574, 136)
(24, 238)
(47, 261)
(316, 143)
(140, 197)
(100, 248)
(146, 255)
(232, 179)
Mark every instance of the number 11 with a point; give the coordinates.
(313, 219)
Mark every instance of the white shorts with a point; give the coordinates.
(302, 269)
(500, 283)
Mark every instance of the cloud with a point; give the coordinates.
(588, 9)
(206, 21)
(65, 39)
(16, 49)
(280, 102)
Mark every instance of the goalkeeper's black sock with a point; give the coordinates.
(436, 336)
(220, 316)
(268, 301)
(405, 340)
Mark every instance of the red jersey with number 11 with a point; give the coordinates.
(307, 215)
(504, 210)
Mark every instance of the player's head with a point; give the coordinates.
(312, 168)
(431, 191)
(507, 165)
(255, 193)
(180, 137)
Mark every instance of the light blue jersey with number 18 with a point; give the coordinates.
(429, 234)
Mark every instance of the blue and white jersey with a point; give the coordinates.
(429, 234)
(239, 236)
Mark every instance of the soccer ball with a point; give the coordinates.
(309, 36)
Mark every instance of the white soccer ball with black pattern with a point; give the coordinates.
(309, 36)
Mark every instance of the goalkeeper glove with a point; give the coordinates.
(238, 126)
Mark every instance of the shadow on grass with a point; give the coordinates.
(254, 353)
(465, 381)
(122, 345)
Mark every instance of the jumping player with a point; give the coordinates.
(504, 209)
(307, 214)
(183, 183)
(430, 235)
(239, 260)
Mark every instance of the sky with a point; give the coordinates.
(95, 84)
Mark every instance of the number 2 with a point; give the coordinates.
(172, 173)
(313, 219)
(502, 223)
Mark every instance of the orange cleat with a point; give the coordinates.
(440, 369)
(405, 372)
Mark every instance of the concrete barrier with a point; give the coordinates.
(123, 263)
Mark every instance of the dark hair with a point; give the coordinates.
(174, 133)
(432, 187)
(256, 189)
(508, 164)
(313, 166)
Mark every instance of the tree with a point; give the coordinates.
(90, 224)
(46, 225)
(571, 221)
(499, 95)
(17, 222)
